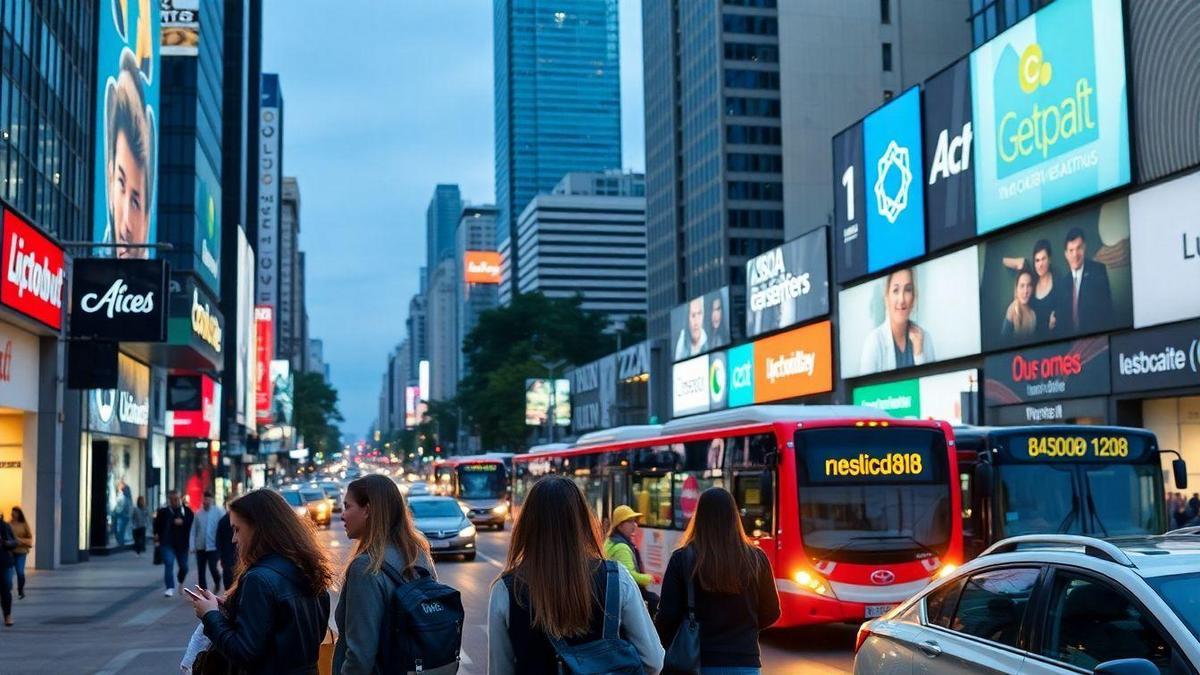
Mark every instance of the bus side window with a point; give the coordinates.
(652, 498)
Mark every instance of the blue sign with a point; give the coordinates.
(1050, 112)
(741, 375)
(894, 182)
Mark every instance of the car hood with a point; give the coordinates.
(489, 503)
(439, 524)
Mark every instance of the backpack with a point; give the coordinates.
(423, 628)
(610, 654)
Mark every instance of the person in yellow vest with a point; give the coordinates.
(620, 548)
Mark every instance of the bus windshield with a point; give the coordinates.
(1105, 500)
(874, 495)
(481, 481)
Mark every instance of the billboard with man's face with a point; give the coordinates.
(701, 324)
(1070, 276)
(126, 153)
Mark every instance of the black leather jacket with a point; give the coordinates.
(274, 624)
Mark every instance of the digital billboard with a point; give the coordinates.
(270, 168)
(913, 316)
(283, 395)
(245, 396)
(1054, 372)
(264, 349)
(894, 167)
(849, 205)
(952, 397)
(740, 367)
(180, 27)
(126, 123)
(795, 363)
(207, 228)
(1159, 358)
(1164, 232)
(481, 267)
(718, 381)
(701, 324)
(788, 284)
(1166, 85)
(412, 406)
(545, 397)
(1067, 277)
(689, 386)
(1050, 112)
(949, 178)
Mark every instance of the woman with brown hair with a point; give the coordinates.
(1020, 319)
(377, 518)
(552, 593)
(274, 617)
(735, 595)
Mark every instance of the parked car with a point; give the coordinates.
(310, 502)
(445, 526)
(417, 489)
(1050, 605)
(332, 490)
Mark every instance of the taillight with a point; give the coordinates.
(864, 632)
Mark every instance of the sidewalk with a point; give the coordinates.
(107, 615)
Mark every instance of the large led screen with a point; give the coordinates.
(1165, 242)
(912, 316)
(701, 324)
(949, 178)
(788, 284)
(895, 195)
(1050, 112)
(1067, 277)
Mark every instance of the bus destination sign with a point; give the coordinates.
(1067, 447)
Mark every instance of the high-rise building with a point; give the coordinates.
(557, 101)
(588, 236)
(441, 218)
(476, 234)
(289, 316)
(440, 331)
(416, 331)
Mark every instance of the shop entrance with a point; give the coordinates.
(116, 481)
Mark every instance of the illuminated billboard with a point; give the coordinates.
(788, 284)
(481, 267)
(701, 324)
(545, 397)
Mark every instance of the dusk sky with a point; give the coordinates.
(382, 101)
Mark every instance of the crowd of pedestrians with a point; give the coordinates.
(568, 598)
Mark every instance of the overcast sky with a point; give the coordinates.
(382, 101)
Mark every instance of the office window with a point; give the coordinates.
(885, 11)
(887, 57)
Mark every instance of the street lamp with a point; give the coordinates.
(551, 367)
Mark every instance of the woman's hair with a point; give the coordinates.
(1042, 245)
(726, 560)
(276, 529)
(1023, 317)
(141, 500)
(389, 522)
(18, 514)
(553, 555)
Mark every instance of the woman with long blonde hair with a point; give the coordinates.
(273, 618)
(377, 519)
(555, 585)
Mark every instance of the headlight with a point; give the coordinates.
(301, 511)
(500, 510)
(814, 582)
(468, 531)
(946, 571)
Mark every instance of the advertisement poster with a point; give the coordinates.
(795, 363)
(788, 284)
(266, 287)
(689, 386)
(949, 178)
(1050, 112)
(701, 324)
(126, 123)
(913, 316)
(247, 335)
(282, 400)
(264, 344)
(1159, 358)
(1065, 370)
(741, 375)
(542, 396)
(180, 27)
(952, 397)
(481, 267)
(124, 411)
(1164, 229)
(718, 381)
(849, 205)
(895, 195)
(207, 244)
(1069, 276)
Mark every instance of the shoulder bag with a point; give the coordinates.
(683, 654)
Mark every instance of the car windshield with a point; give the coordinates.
(435, 508)
(1118, 499)
(292, 497)
(1182, 593)
(331, 491)
(313, 495)
(480, 481)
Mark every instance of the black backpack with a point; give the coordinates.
(423, 629)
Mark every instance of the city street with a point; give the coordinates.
(109, 616)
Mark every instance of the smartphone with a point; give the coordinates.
(193, 594)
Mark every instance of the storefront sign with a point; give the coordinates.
(1159, 358)
(206, 323)
(1054, 372)
(124, 411)
(1164, 229)
(196, 321)
(1091, 409)
(34, 272)
(18, 369)
(264, 346)
(119, 299)
(633, 361)
(193, 407)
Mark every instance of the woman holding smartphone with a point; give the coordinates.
(274, 617)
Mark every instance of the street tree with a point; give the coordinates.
(317, 412)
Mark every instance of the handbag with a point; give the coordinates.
(683, 656)
(211, 662)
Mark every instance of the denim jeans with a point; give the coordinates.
(170, 557)
(19, 568)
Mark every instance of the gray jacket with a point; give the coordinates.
(364, 597)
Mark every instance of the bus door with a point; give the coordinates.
(753, 489)
(616, 479)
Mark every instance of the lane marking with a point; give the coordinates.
(490, 560)
(149, 616)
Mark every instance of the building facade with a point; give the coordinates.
(557, 100)
(289, 340)
(476, 233)
(441, 331)
(441, 220)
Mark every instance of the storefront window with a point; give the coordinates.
(122, 486)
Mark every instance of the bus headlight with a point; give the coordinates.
(300, 511)
(947, 570)
(814, 582)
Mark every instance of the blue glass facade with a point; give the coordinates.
(189, 198)
(558, 97)
(441, 221)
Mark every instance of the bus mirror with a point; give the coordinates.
(1179, 468)
(983, 480)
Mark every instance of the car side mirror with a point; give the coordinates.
(1179, 468)
(1126, 667)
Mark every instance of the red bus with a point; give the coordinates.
(855, 511)
(479, 482)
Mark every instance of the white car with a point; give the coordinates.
(1050, 604)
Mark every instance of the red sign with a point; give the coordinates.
(202, 423)
(34, 270)
(264, 325)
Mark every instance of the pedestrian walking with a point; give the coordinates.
(620, 547)
(557, 593)
(732, 585)
(274, 617)
(24, 535)
(204, 540)
(172, 535)
(8, 543)
(139, 519)
(377, 520)
(226, 550)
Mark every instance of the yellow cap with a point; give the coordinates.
(623, 513)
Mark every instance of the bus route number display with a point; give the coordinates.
(870, 465)
(1064, 447)
(480, 467)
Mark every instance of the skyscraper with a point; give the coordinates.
(441, 219)
(557, 99)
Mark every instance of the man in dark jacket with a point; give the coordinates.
(226, 550)
(1085, 300)
(172, 534)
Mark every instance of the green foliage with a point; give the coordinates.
(500, 355)
(317, 412)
